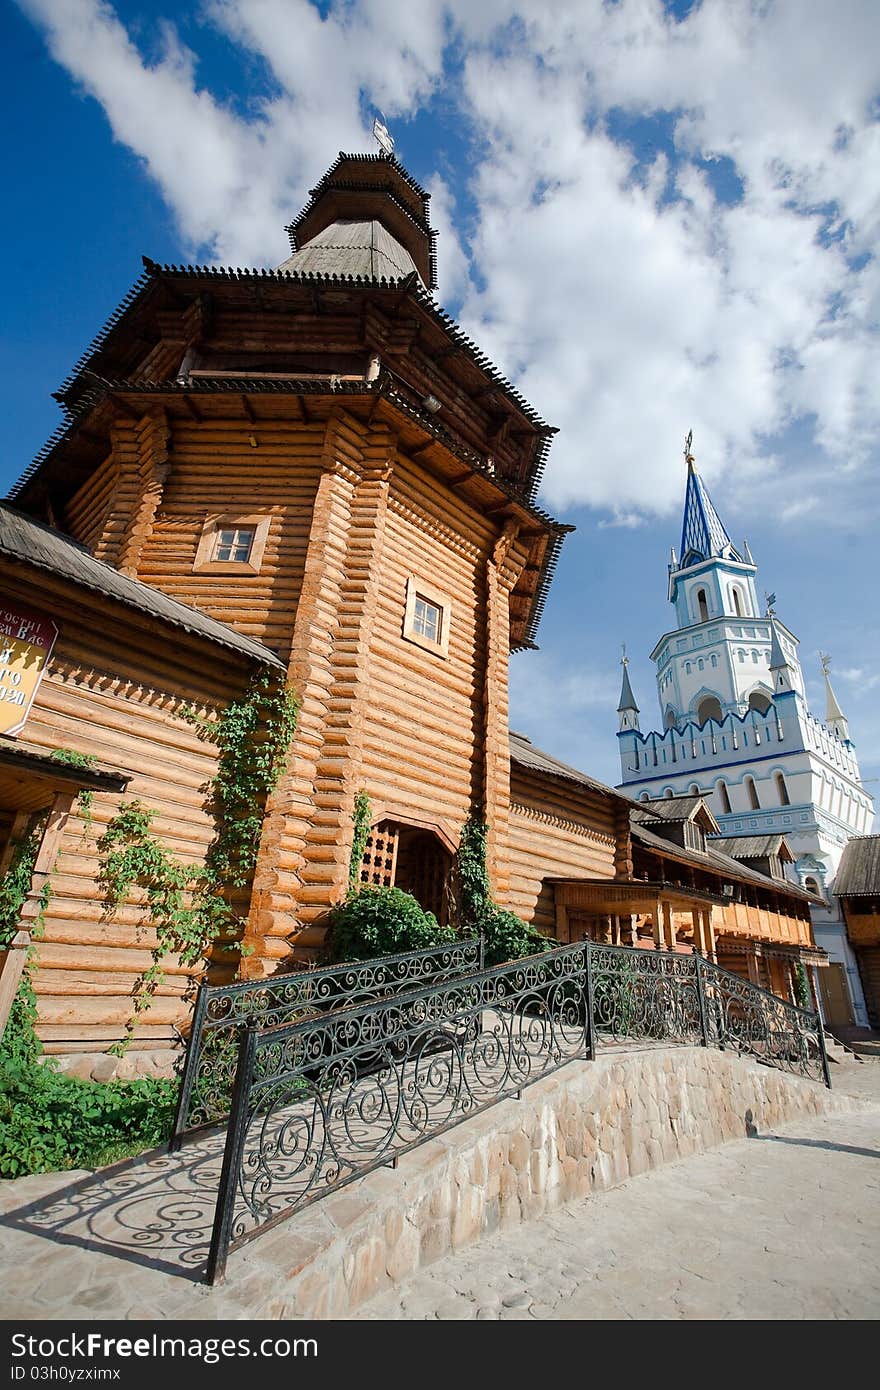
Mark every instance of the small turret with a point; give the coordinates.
(834, 715)
(627, 709)
(781, 668)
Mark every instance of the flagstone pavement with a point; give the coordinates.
(778, 1226)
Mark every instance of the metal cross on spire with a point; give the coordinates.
(382, 136)
(770, 600)
(624, 659)
(826, 662)
(688, 456)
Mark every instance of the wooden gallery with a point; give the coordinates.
(312, 478)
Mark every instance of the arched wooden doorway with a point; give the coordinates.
(412, 858)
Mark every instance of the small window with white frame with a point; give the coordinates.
(232, 545)
(427, 617)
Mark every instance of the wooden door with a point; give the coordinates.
(835, 996)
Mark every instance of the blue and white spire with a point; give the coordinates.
(703, 533)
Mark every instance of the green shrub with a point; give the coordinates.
(508, 937)
(382, 922)
(50, 1122)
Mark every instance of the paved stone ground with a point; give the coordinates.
(780, 1226)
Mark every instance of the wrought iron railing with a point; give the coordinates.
(327, 1100)
(755, 1023)
(321, 1101)
(221, 1011)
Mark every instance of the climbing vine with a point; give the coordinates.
(362, 819)
(802, 992)
(69, 757)
(505, 936)
(20, 1042)
(189, 905)
(474, 889)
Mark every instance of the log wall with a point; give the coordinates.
(557, 830)
(115, 689)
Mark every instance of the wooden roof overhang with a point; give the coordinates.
(629, 896)
(726, 871)
(30, 777)
(309, 400)
(398, 319)
(750, 946)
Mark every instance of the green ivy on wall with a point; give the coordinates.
(505, 936)
(192, 907)
(362, 818)
(69, 757)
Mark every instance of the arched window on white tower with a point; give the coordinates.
(702, 606)
(669, 720)
(724, 798)
(668, 793)
(782, 789)
(645, 796)
(737, 602)
(693, 789)
(759, 701)
(752, 793)
(812, 886)
(709, 708)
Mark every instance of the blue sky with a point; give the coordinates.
(653, 217)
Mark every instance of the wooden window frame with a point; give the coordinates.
(234, 521)
(418, 588)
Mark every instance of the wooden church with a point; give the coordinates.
(310, 471)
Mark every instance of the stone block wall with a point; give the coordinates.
(585, 1129)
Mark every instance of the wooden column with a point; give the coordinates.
(623, 861)
(563, 932)
(669, 926)
(659, 936)
(502, 571)
(294, 882)
(698, 931)
(153, 436)
(709, 932)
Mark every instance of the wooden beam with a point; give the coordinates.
(124, 406)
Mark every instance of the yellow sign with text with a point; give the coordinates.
(26, 642)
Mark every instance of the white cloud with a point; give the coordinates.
(629, 300)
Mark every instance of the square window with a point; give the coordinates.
(234, 545)
(427, 617)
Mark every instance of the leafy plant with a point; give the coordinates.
(51, 1122)
(69, 757)
(802, 992)
(382, 921)
(15, 883)
(508, 937)
(505, 936)
(362, 818)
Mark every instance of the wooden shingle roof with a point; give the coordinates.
(859, 871)
(33, 543)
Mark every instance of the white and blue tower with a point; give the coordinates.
(735, 724)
